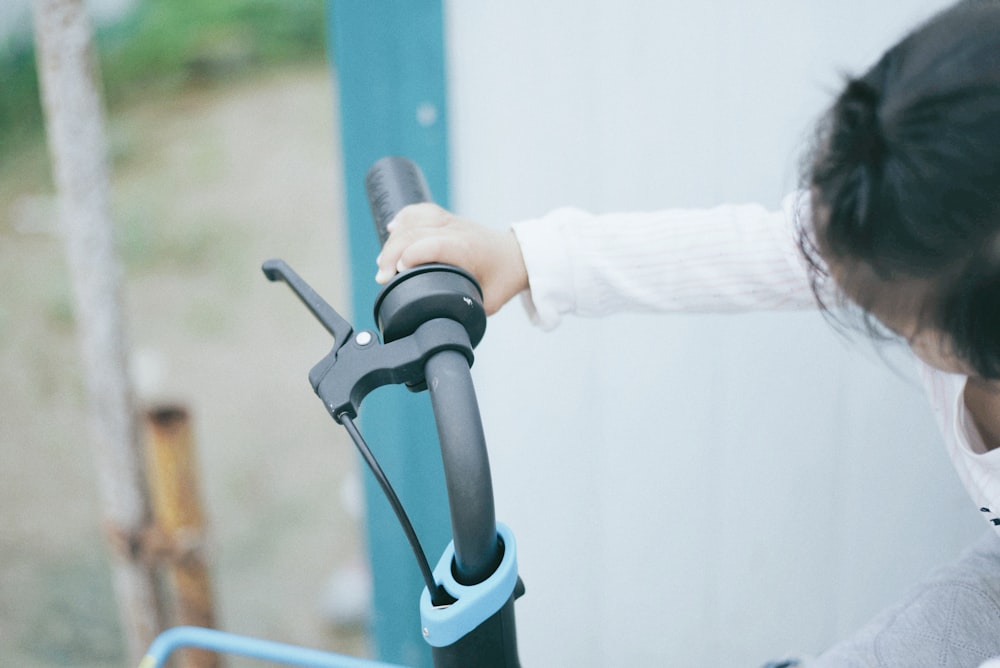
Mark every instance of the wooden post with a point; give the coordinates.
(173, 482)
(77, 139)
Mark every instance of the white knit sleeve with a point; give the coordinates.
(728, 258)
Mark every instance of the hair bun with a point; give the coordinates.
(860, 128)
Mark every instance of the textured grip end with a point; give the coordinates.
(393, 183)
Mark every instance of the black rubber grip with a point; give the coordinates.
(392, 183)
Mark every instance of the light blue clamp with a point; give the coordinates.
(256, 648)
(445, 625)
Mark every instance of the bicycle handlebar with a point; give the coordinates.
(391, 184)
(431, 317)
(410, 300)
(466, 467)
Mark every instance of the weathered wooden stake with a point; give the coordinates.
(77, 138)
(173, 481)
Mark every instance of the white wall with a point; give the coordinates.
(686, 490)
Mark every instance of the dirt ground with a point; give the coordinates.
(206, 187)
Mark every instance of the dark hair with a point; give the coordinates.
(904, 181)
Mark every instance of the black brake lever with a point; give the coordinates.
(359, 364)
(278, 270)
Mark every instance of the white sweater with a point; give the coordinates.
(726, 259)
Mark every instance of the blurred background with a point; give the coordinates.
(222, 130)
(686, 490)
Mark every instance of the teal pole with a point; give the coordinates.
(388, 59)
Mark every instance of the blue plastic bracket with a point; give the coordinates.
(265, 650)
(474, 604)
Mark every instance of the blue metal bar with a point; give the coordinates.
(255, 648)
(388, 60)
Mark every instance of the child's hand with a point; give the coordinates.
(423, 233)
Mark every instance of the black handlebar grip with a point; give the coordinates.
(392, 183)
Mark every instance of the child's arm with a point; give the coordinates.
(727, 258)
(425, 233)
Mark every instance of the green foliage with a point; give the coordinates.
(166, 44)
(20, 109)
(172, 42)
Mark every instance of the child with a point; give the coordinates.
(898, 224)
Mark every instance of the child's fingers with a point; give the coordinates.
(410, 225)
(392, 249)
(425, 214)
(389, 258)
(414, 248)
(430, 248)
(408, 246)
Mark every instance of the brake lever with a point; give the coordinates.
(278, 270)
(361, 363)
